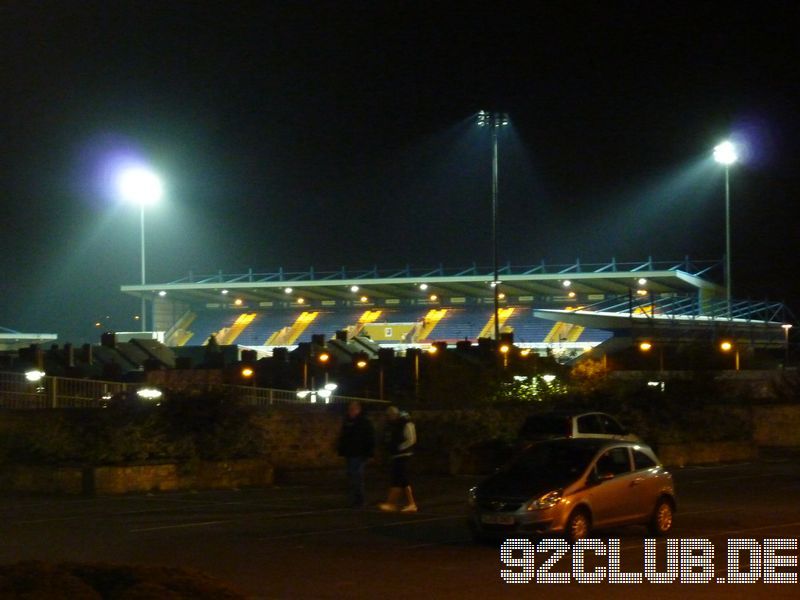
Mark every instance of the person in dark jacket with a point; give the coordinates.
(401, 439)
(357, 446)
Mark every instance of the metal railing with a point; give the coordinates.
(19, 392)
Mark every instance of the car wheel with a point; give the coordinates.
(578, 525)
(661, 521)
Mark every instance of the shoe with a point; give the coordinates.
(385, 506)
(409, 508)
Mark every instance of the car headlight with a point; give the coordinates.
(548, 500)
(472, 495)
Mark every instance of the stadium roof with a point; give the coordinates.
(610, 278)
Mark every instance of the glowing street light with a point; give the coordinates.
(727, 346)
(494, 121)
(725, 154)
(143, 187)
(786, 327)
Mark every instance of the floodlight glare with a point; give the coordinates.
(725, 346)
(642, 281)
(140, 185)
(149, 393)
(354, 288)
(331, 387)
(34, 375)
(645, 346)
(423, 286)
(548, 378)
(566, 283)
(725, 153)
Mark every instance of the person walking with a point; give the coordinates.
(401, 439)
(357, 446)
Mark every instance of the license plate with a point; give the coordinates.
(497, 519)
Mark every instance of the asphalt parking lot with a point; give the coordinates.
(300, 540)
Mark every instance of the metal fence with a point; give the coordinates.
(29, 391)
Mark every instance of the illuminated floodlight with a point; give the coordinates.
(148, 393)
(324, 357)
(726, 346)
(162, 293)
(642, 281)
(786, 327)
(645, 346)
(140, 185)
(331, 387)
(549, 378)
(571, 294)
(434, 297)
(34, 376)
(362, 364)
(505, 348)
(364, 299)
(354, 288)
(566, 283)
(303, 394)
(224, 292)
(301, 300)
(247, 372)
(238, 302)
(423, 286)
(525, 352)
(725, 153)
(641, 292)
(433, 350)
(501, 296)
(287, 290)
(495, 283)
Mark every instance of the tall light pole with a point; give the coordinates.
(494, 121)
(143, 187)
(725, 154)
(786, 328)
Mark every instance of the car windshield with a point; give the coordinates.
(559, 463)
(545, 425)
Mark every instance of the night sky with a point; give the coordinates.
(333, 133)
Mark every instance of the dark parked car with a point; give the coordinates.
(572, 486)
(573, 425)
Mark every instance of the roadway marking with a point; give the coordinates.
(182, 526)
(361, 528)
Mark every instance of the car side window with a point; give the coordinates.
(615, 462)
(642, 461)
(590, 424)
(611, 426)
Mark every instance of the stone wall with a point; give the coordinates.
(777, 425)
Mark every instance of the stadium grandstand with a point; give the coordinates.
(565, 310)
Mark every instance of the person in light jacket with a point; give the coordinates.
(401, 439)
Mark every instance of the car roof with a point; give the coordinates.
(596, 444)
(567, 413)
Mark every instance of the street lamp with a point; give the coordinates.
(727, 346)
(143, 187)
(494, 121)
(725, 154)
(786, 327)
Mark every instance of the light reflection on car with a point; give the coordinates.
(573, 486)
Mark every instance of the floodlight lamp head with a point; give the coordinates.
(725, 153)
(140, 185)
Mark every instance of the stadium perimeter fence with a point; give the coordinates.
(24, 391)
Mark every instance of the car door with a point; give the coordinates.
(647, 483)
(611, 493)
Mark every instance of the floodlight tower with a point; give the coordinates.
(725, 154)
(143, 187)
(494, 121)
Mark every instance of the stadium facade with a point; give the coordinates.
(560, 309)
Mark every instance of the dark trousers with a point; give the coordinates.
(355, 479)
